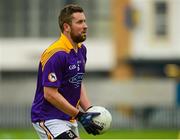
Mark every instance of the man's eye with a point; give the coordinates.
(80, 21)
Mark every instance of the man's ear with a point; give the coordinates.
(66, 27)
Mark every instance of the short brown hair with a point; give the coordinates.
(66, 14)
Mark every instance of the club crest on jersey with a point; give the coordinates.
(52, 77)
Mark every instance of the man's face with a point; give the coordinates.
(78, 27)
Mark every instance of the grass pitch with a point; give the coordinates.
(112, 134)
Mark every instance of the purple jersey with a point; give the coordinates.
(63, 68)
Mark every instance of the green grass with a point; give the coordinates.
(135, 134)
(112, 134)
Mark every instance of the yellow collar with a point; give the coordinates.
(67, 43)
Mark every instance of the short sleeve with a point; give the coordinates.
(52, 72)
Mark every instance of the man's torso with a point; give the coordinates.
(63, 68)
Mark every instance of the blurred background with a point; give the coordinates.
(133, 66)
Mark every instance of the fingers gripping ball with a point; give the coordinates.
(103, 120)
(86, 119)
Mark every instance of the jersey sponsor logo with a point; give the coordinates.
(72, 67)
(76, 80)
(52, 77)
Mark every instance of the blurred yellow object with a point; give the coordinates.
(178, 135)
(172, 70)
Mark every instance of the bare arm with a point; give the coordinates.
(84, 101)
(52, 95)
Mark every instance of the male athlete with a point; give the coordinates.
(59, 90)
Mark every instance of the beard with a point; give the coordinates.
(78, 38)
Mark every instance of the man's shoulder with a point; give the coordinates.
(55, 50)
(55, 47)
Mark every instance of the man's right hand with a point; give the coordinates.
(86, 119)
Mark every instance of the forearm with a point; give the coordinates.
(84, 101)
(56, 99)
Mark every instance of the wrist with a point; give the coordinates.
(89, 108)
(79, 115)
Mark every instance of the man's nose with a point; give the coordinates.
(85, 26)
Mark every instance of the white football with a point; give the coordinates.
(103, 120)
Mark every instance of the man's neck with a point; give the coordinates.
(74, 44)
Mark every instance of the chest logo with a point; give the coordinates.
(52, 77)
(76, 80)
